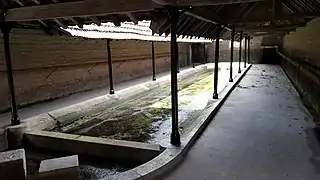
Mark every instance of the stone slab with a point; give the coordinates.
(99, 147)
(15, 134)
(65, 168)
(13, 165)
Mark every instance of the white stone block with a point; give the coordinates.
(65, 168)
(13, 165)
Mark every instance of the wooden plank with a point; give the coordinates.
(272, 27)
(201, 2)
(79, 9)
(60, 23)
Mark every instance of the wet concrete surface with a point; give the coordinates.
(262, 132)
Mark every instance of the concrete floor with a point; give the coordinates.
(262, 132)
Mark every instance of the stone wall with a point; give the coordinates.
(46, 67)
(302, 47)
(224, 51)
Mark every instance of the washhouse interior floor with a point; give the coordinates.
(43, 107)
(262, 132)
(193, 98)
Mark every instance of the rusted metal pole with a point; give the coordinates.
(110, 67)
(15, 120)
(216, 64)
(153, 63)
(175, 136)
(241, 35)
(231, 56)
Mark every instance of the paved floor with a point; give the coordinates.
(262, 132)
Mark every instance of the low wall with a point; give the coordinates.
(303, 65)
(47, 67)
(306, 81)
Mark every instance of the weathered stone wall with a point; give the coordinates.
(224, 51)
(302, 47)
(46, 67)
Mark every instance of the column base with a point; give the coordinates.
(215, 96)
(230, 80)
(239, 71)
(111, 91)
(175, 139)
(15, 134)
(154, 78)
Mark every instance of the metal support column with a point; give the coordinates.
(216, 64)
(175, 136)
(204, 54)
(231, 56)
(249, 50)
(14, 112)
(241, 35)
(110, 67)
(178, 63)
(192, 57)
(153, 63)
(245, 51)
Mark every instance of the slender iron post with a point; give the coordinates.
(245, 51)
(15, 120)
(216, 64)
(192, 58)
(204, 54)
(110, 67)
(231, 55)
(153, 63)
(241, 35)
(175, 136)
(178, 65)
(249, 50)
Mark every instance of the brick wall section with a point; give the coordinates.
(302, 47)
(48, 67)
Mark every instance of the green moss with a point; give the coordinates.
(142, 122)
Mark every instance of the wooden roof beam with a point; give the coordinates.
(60, 23)
(201, 2)
(271, 30)
(78, 9)
(76, 22)
(271, 27)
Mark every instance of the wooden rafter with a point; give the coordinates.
(201, 2)
(78, 9)
(273, 27)
(133, 18)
